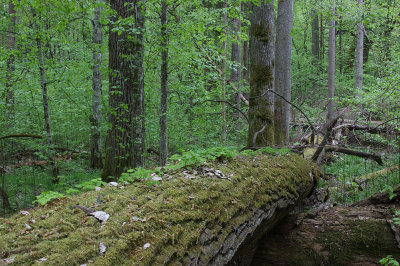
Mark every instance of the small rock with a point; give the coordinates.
(101, 216)
(113, 184)
(24, 213)
(146, 246)
(103, 248)
(97, 188)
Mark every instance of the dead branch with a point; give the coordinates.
(22, 136)
(366, 155)
(256, 134)
(361, 180)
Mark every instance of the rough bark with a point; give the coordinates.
(331, 68)
(164, 84)
(11, 60)
(283, 70)
(360, 49)
(96, 157)
(125, 140)
(337, 236)
(246, 61)
(201, 221)
(262, 61)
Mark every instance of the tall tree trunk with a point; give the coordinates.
(283, 70)
(246, 61)
(124, 143)
(262, 59)
(224, 74)
(96, 158)
(11, 60)
(360, 49)
(164, 84)
(321, 39)
(315, 36)
(236, 57)
(331, 67)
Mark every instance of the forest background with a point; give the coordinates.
(54, 61)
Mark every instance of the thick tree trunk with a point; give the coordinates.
(283, 70)
(96, 158)
(360, 49)
(164, 84)
(11, 60)
(331, 70)
(262, 60)
(124, 143)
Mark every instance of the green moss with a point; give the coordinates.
(177, 213)
(262, 33)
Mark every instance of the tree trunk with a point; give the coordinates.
(236, 57)
(315, 36)
(96, 158)
(283, 70)
(331, 70)
(11, 60)
(262, 60)
(321, 39)
(224, 74)
(360, 49)
(246, 61)
(164, 84)
(124, 143)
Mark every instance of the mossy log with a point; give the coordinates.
(200, 221)
(360, 235)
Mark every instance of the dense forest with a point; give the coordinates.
(93, 92)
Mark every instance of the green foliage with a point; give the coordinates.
(138, 174)
(47, 196)
(389, 261)
(90, 184)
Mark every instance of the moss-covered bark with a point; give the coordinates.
(201, 221)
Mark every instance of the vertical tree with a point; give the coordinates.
(315, 36)
(262, 60)
(283, 70)
(124, 142)
(96, 160)
(164, 84)
(236, 54)
(360, 49)
(224, 73)
(331, 67)
(11, 60)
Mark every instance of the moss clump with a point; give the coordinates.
(262, 32)
(181, 216)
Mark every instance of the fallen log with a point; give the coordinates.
(21, 136)
(201, 217)
(361, 180)
(369, 129)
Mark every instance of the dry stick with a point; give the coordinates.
(367, 155)
(231, 105)
(329, 125)
(256, 134)
(221, 73)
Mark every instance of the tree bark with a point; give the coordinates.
(331, 70)
(11, 60)
(164, 84)
(262, 60)
(96, 158)
(360, 49)
(125, 140)
(315, 36)
(283, 70)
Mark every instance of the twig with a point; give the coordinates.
(231, 105)
(256, 134)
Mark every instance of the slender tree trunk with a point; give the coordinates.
(246, 61)
(360, 49)
(224, 75)
(124, 143)
(164, 84)
(96, 158)
(283, 70)
(262, 59)
(11, 60)
(321, 39)
(236, 57)
(331, 67)
(315, 36)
